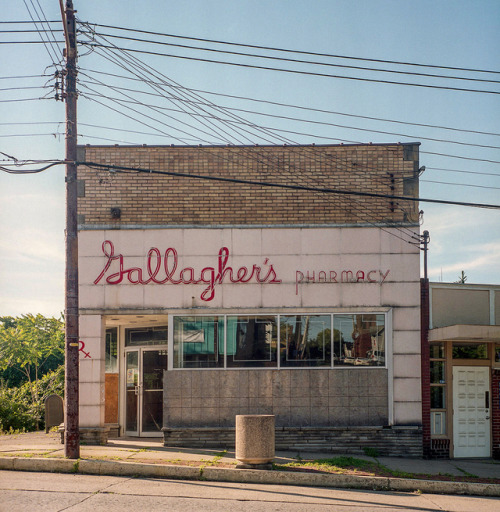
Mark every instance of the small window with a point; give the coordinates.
(112, 350)
(251, 341)
(437, 372)
(359, 340)
(470, 350)
(305, 340)
(437, 350)
(497, 353)
(146, 336)
(437, 397)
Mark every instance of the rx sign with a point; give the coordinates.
(82, 346)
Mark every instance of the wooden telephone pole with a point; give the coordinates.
(71, 401)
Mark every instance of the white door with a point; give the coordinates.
(471, 413)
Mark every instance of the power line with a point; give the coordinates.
(135, 63)
(119, 168)
(296, 61)
(459, 184)
(294, 132)
(289, 50)
(466, 172)
(301, 107)
(293, 71)
(24, 76)
(127, 67)
(309, 121)
(20, 22)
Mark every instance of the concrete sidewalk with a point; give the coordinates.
(149, 458)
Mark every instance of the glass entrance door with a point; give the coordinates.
(144, 391)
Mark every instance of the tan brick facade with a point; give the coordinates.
(152, 199)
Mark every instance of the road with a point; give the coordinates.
(49, 492)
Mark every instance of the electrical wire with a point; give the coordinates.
(322, 123)
(337, 139)
(459, 184)
(291, 51)
(292, 71)
(301, 107)
(118, 168)
(296, 61)
(48, 43)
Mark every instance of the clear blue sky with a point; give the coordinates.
(462, 34)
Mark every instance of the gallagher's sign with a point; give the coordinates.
(164, 268)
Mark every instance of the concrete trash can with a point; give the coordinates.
(255, 440)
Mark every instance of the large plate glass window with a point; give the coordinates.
(305, 340)
(359, 339)
(198, 342)
(251, 341)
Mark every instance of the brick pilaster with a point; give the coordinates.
(426, 379)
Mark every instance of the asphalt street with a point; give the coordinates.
(49, 492)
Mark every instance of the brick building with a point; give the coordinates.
(203, 298)
(464, 363)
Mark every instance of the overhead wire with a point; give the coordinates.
(118, 168)
(293, 51)
(322, 123)
(292, 71)
(127, 68)
(302, 107)
(48, 43)
(298, 61)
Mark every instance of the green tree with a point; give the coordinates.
(31, 346)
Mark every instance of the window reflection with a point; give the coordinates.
(305, 340)
(198, 342)
(359, 340)
(251, 341)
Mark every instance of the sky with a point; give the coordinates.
(462, 164)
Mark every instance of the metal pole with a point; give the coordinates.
(71, 417)
(425, 241)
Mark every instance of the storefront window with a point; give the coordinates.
(305, 340)
(198, 342)
(112, 350)
(470, 350)
(251, 341)
(359, 340)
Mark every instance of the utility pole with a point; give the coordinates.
(71, 401)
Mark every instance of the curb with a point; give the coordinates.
(252, 476)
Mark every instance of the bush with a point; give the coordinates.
(19, 410)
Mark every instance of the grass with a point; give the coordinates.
(344, 465)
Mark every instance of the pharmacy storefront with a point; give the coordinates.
(183, 328)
